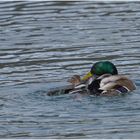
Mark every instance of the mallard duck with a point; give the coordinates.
(103, 79)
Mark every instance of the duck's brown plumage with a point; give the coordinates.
(112, 81)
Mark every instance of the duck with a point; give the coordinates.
(103, 80)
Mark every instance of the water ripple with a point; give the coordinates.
(43, 43)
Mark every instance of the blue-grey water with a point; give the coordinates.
(42, 44)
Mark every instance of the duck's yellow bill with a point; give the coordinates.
(87, 76)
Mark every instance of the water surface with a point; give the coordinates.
(42, 44)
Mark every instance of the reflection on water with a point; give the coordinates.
(43, 43)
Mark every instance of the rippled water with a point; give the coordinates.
(44, 43)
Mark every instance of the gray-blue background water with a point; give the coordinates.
(42, 44)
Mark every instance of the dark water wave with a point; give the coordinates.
(44, 43)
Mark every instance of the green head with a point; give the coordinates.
(103, 67)
(100, 68)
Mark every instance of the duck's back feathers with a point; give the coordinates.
(114, 80)
(112, 84)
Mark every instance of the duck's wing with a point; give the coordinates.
(108, 86)
(127, 83)
(81, 88)
(111, 78)
(64, 89)
(117, 82)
